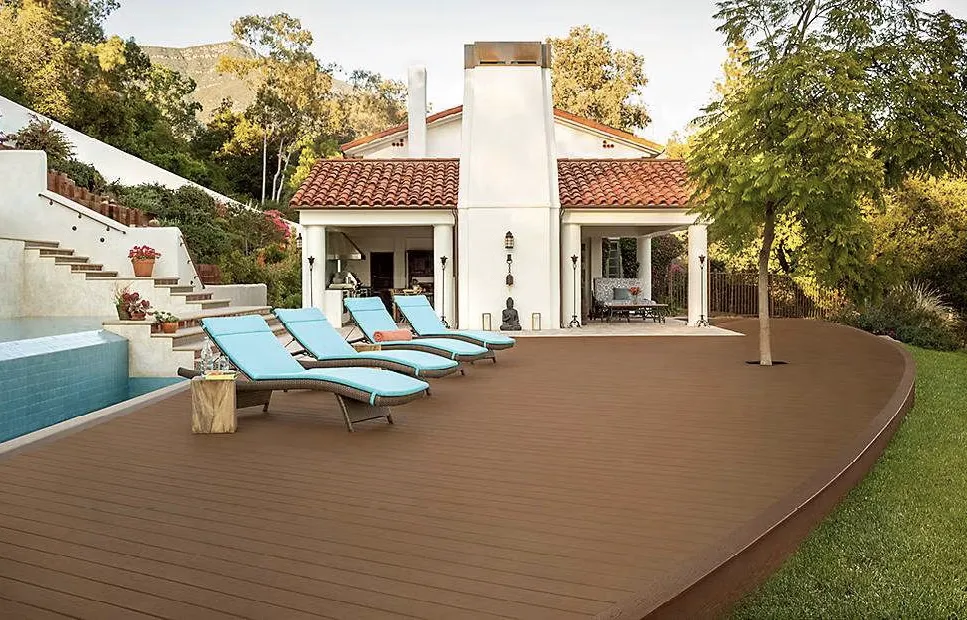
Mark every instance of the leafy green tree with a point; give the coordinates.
(293, 90)
(41, 135)
(844, 99)
(594, 80)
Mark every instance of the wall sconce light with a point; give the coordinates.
(510, 276)
(536, 321)
(509, 241)
(486, 321)
(298, 241)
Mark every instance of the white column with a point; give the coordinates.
(697, 290)
(443, 282)
(314, 251)
(570, 246)
(644, 266)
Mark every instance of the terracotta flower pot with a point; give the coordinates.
(137, 316)
(143, 267)
(169, 328)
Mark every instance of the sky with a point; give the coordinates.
(683, 53)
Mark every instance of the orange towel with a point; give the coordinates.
(393, 334)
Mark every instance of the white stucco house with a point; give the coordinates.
(457, 184)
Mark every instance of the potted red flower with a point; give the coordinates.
(635, 291)
(132, 307)
(142, 259)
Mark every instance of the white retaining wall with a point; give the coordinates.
(29, 211)
(11, 278)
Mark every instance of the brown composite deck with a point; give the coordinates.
(574, 475)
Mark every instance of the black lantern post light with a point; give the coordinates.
(443, 293)
(509, 245)
(574, 280)
(702, 322)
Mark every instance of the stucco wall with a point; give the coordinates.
(240, 294)
(28, 211)
(576, 143)
(11, 278)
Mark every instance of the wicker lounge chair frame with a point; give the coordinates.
(456, 334)
(415, 345)
(355, 404)
(354, 361)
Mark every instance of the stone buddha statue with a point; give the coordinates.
(509, 320)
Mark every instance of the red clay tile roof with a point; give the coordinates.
(434, 183)
(380, 183)
(574, 118)
(622, 182)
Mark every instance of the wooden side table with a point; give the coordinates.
(366, 346)
(213, 405)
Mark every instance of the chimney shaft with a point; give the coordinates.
(416, 112)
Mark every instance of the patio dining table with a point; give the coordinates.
(647, 309)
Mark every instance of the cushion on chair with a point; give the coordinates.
(622, 294)
(392, 335)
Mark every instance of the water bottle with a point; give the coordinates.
(207, 357)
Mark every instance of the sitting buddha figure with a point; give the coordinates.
(509, 320)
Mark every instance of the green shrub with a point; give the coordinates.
(912, 313)
(41, 135)
(83, 175)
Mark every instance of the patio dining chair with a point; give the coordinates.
(316, 335)
(371, 316)
(424, 321)
(363, 393)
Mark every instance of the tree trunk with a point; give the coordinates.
(278, 167)
(265, 162)
(765, 329)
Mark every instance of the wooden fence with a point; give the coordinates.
(737, 294)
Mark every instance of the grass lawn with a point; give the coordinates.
(896, 547)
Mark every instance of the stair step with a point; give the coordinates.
(164, 281)
(176, 288)
(194, 337)
(70, 260)
(212, 304)
(41, 244)
(86, 267)
(44, 251)
(192, 295)
(197, 343)
(99, 275)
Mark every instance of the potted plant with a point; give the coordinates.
(635, 291)
(120, 302)
(133, 306)
(168, 321)
(142, 259)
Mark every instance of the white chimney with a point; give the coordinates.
(416, 112)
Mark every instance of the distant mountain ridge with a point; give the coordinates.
(200, 62)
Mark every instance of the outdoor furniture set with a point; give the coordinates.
(366, 383)
(621, 297)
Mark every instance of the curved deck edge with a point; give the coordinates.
(709, 586)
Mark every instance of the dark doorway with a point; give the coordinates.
(381, 275)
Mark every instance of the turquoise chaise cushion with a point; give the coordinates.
(422, 317)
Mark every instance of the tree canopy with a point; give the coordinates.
(842, 100)
(594, 80)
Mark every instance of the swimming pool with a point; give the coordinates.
(59, 369)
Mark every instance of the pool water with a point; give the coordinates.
(73, 369)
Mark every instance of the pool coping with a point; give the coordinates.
(81, 422)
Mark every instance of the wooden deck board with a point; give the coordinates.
(549, 485)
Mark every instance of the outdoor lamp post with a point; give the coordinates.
(574, 280)
(443, 292)
(701, 319)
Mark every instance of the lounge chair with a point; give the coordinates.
(371, 316)
(363, 393)
(424, 321)
(316, 335)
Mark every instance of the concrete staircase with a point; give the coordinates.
(151, 352)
